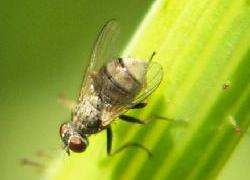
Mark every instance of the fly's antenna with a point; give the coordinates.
(151, 57)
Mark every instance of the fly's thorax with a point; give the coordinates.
(87, 115)
(120, 80)
(88, 109)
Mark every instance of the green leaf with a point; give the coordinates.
(203, 47)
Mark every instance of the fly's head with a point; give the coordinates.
(73, 140)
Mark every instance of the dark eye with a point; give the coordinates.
(77, 143)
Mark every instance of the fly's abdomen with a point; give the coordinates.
(120, 81)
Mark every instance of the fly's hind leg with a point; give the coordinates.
(139, 105)
(131, 119)
(127, 145)
(179, 122)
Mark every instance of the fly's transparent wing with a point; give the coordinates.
(105, 44)
(104, 50)
(153, 79)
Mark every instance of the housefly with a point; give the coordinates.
(111, 86)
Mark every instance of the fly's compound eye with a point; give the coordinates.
(77, 143)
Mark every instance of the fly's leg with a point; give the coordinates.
(62, 99)
(179, 122)
(156, 117)
(139, 105)
(131, 119)
(35, 164)
(109, 140)
(27, 162)
(109, 145)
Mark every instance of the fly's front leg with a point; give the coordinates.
(37, 165)
(31, 163)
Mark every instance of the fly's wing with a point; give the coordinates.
(103, 52)
(153, 79)
(104, 47)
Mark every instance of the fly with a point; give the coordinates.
(111, 86)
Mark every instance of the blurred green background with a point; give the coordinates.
(43, 48)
